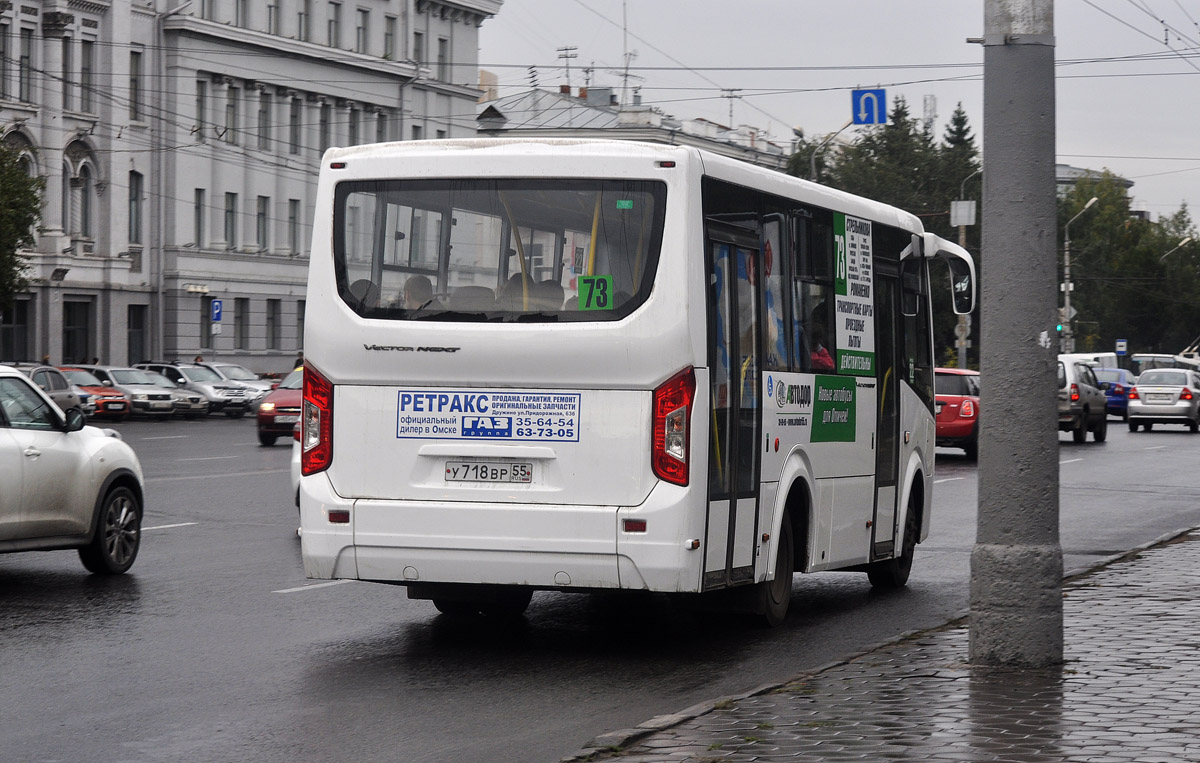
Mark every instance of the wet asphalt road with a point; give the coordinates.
(215, 647)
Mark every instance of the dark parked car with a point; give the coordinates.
(1116, 383)
(957, 392)
(280, 409)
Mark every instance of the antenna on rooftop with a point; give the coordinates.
(731, 93)
(566, 54)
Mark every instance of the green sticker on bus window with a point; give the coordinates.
(595, 293)
(624, 203)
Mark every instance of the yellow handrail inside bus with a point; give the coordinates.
(883, 397)
(591, 264)
(717, 444)
(512, 223)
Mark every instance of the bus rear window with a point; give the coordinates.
(497, 250)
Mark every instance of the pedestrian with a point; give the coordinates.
(46, 359)
(199, 359)
(299, 360)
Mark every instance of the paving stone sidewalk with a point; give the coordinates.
(1128, 691)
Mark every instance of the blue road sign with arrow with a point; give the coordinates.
(869, 107)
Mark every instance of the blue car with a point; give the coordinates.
(1116, 383)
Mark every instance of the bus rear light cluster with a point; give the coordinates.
(316, 423)
(671, 436)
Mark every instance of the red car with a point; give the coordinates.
(280, 409)
(109, 403)
(958, 409)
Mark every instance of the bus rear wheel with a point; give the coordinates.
(774, 596)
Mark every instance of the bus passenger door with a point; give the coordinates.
(887, 441)
(731, 529)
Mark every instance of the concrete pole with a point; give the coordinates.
(1016, 564)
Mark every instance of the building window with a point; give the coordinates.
(14, 330)
(300, 324)
(4, 55)
(201, 109)
(135, 85)
(231, 114)
(273, 312)
(85, 201)
(381, 127)
(206, 323)
(68, 71)
(323, 126)
(137, 322)
(241, 323)
(443, 59)
(77, 331)
(418, 50)
(87, 64)
(135, 207)
(440, 134)
(272, 18)
(294, 126)
(260, 222)
(294, 226)
(231, 220)
(198, 217)
(360, 30)
(335, 24)
(417, 132)
(389, 36)
(264, 120)
(352, 126)
(25, 67)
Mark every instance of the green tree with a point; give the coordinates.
(20, 210)
(1130, 280)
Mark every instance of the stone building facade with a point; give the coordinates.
(180, 143)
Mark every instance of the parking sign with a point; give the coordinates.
(216, 311)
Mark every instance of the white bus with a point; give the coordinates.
(586, 365)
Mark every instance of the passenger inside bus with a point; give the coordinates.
(418, 294)
(821, 360)
(364, 295)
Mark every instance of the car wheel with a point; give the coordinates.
(266, 440)
(1101, 431)
(1079, 433)
(971, 447)
(1148, 426)
(1194, 426)
(235, 414)
(508, 604)
(1133, 425)
(893, 573)
(118, 534)
(456, 608)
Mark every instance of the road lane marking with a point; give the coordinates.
(311, 587)
(168, 527)
(208, 458)
(222, 476)
(1155, 447)
(1070, 461)
(948, 479)
(165, 437)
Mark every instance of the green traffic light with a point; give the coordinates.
(1060, 327)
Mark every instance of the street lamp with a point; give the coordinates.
(1068, 335)
(1178, 246)
(812, 159)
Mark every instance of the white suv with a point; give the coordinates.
(64, 484)
(1081, 403)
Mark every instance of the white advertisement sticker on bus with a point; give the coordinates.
(854, 305)
(493, 415)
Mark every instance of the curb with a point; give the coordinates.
(616, 741)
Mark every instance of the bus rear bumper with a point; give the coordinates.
(545, 546)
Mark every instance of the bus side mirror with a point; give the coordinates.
(961, 286)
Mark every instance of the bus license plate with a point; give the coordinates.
(488, 471)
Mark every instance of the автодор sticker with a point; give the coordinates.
(490, 415)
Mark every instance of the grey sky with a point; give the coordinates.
(1110, 107)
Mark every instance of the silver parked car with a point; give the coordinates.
(188, 404)
(230, 398)
(145, 397)
(65, 485)
(53, 383)
(1165, 396)
(1081, 403)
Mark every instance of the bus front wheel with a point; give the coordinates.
(893, 573)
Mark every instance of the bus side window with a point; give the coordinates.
(918, 352)
(811, 292)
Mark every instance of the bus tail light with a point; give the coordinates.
(1074, 392)
(671, 438)
(967, 410)
(316, 424)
